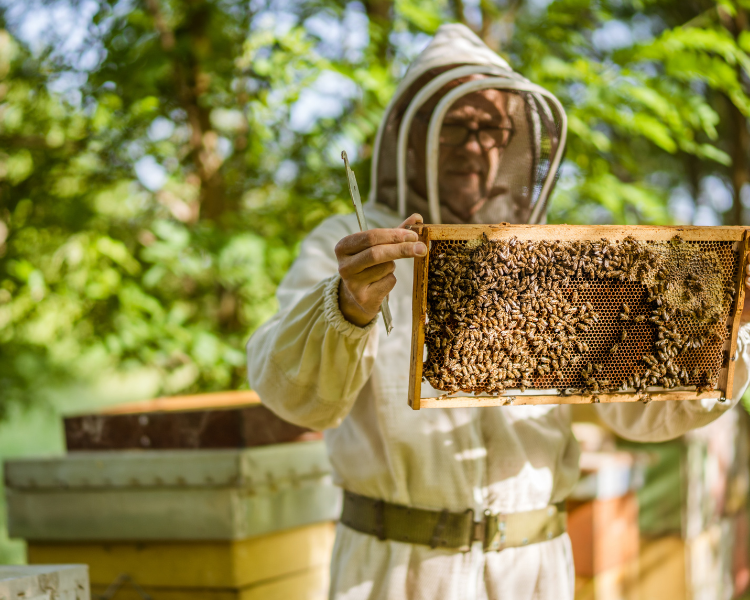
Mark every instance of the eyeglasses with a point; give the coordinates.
(458, 135)
(488, 137)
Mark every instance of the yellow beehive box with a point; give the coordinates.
(617, 583)
(285, 564)
(311, 584)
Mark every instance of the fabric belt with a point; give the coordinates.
(444, 529)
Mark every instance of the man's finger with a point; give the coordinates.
(382, 253)
(412, 220)
(376, 273)
(357, 242)
(352, 266)
(362, 279)
(380, 289)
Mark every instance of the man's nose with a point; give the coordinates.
(472, 145)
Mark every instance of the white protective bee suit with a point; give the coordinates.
(315, 369)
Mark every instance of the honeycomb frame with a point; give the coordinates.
(730, 244)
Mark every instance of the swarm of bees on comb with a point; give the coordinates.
(584, 317)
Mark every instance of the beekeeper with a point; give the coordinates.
(444, 503)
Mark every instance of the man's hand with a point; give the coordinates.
(366, 265)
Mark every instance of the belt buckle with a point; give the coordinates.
(494, 532)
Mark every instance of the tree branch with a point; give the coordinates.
(166, 35)
(458, 9)
(35, 142)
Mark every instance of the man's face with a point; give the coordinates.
(475, 132)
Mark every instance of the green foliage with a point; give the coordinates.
(99, 273)
(103, 271)
(640, 116)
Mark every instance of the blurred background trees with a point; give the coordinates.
(160, 160)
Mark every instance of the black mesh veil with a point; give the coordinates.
(530, 163)
(528, 167)
(550, 143)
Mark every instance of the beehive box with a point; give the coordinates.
(603, 507)
(693, 482)
(170, 494)
(196, 564)
(310, 584)
(549, 314)
(218, 420)
(594, 524)
(696, 569)
(286, 564)
(617, 583)
(673, 568)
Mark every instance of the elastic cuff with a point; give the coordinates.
(334, 316)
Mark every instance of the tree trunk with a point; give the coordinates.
(381, 23)
(740, 146)
(740, 137)
(498, 22)
(458, 9)
(487, 18)
(185, 47)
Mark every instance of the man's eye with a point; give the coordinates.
(453, 134)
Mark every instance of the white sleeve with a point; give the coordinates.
(665, 420)
(308, 363)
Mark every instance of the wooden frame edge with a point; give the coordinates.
(472, 402)
(574, 232)
(736, 322)
(418, 319)
(193, 402)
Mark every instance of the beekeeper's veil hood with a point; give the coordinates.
(529, 164)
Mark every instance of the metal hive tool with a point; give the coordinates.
(624, 330)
